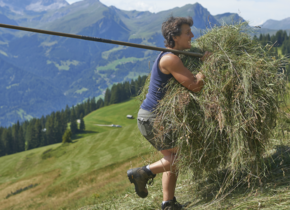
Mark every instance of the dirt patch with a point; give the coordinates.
(29, 196)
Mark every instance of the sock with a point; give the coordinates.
(163, 202)
(146, 168)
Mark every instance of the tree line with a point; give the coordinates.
(50, 129)
(279, 40)
(280, 43)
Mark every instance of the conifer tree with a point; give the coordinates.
(67, 113)
(57, 127)
(37, 133)
(21, 139)
(73, 124)
(114, 95)
(2, 145)
(120, 93)
(127, 93)
(63, 122)
(43, 140)
(66, 138)
(87, 107)
(93, 104)
(82, 124)
(107, 97)
(100, 103)
(29, 136)
(132, 88)
(49, 131)
(15, 137)
(42, 120)
(7, 141)
(137, 86)
(280, 36)
(2, 148)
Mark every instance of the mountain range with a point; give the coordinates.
(277, 25)
(43, 73)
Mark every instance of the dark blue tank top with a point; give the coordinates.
(156, 87)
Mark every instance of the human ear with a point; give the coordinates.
(174, 38)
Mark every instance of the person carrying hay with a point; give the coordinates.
(178, 35)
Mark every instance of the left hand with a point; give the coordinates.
(206, 56)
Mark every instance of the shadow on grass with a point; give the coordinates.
(82, 135)
(20, 190)
(62, 149)
(276, 176)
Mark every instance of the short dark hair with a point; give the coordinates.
(172, 27)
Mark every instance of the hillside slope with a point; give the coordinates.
(21, 90)
(64, 174)
(90, 173)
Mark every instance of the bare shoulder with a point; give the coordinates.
(170, 62)
(169, 59)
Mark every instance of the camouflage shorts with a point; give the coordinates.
(145, 121)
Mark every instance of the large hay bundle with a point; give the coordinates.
(229, 123)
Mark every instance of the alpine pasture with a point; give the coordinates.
(71, 175)
(90, 173)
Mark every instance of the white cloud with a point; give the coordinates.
(255, 11)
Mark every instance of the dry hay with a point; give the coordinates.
(229, 123)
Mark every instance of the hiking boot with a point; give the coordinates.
(140, 177)
(171, 205)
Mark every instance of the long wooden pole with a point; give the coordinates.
(96, 39)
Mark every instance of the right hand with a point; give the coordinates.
(200, 76)
(200, 79)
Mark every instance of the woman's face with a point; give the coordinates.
(183, 41)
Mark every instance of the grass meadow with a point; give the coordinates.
(72, 175)
(90, 173)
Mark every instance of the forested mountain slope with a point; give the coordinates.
(73, 70)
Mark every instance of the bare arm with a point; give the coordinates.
(172, 64)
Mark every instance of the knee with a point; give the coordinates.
(170, 158)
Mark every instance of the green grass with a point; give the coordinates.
(90, 173)
(64, 65)
(10, 86)
(280, 51)
(113, 114)
(105, 54)
(80, 91)
(61, 169)
(133, 75)
(3, 43)
(3, 53)
(112, 65)
(48, 44)
(23, 114)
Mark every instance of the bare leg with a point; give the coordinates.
(167, 166)
(168, 185)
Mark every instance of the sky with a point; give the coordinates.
(255, 11)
